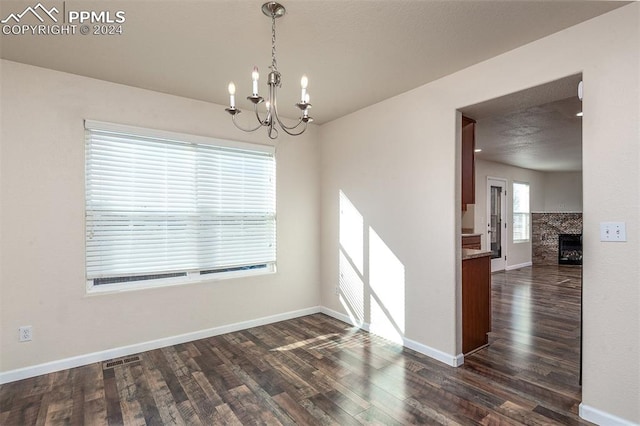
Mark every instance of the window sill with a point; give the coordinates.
(95, 290)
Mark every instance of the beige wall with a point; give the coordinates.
(42, 175)
(562, 192)
(397, 162)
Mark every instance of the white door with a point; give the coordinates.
(497, 223)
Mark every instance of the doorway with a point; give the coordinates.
(497, 223)
(535, 136)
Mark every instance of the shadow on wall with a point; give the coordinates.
(371, 285)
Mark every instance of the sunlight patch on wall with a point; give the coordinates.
(351, 282)
(387, 283)
(351, 291)
(352, 232)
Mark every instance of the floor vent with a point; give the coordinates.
(112, 363)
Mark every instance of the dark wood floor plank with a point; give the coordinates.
(225, 416)
(159, 391)
(114, 412)
(189, 414)
(196, 396)
(316, 370)
(433, 415)
(375, 416)
(342, 396)
(294, 410)
(263, 397)
(335, 412)
(169, 377)
(250, 409)
(132, 413)
(94, 409)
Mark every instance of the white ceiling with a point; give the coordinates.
(355, 53)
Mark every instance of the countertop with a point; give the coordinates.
(471, 235)
(473, 254)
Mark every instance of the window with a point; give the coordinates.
(521, 221)
(164, 207)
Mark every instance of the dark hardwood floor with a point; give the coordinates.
(317, 370)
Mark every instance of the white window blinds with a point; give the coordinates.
(161, 204)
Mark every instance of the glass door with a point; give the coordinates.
(496, 227)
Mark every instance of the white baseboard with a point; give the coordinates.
(518, 266)
(454, 361)
(600, 417)
(344, 318)
(585, 411)
(77, 361)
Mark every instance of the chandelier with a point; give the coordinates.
(272, 120)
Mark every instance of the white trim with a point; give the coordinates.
(600, 417)
(80, 360)
(77, 361)
(452, 360)
(518, 266)
(342, 317)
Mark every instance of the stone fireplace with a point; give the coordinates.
(546, 229)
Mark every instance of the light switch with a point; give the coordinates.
(613, 231)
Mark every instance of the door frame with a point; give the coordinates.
(499, 264)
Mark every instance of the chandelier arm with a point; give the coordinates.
(233, 118)
(285, 127)
(293, 133)
(262, 122)
(288, 127)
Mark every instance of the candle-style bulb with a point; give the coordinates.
(307, 98)
(255, 76)
(232, 95)
(304, 81)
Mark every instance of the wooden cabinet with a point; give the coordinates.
(471, 242)
(476, 302)
(468, 162)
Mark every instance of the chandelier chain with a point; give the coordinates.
(274, 65)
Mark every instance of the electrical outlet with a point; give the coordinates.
(25, 333)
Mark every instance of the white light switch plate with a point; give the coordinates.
(613, 231)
